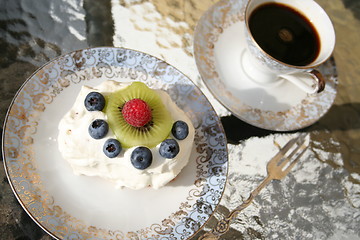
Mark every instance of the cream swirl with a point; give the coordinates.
(86, 157)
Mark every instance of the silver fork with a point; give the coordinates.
(277, 168)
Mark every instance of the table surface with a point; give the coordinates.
(319, 199)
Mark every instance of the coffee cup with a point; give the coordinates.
(286, 40)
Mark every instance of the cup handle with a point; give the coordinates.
(311, 82)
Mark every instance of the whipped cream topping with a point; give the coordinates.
(86, 157)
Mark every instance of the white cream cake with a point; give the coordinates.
(86, 157)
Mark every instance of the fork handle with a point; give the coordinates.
(224, 224)
(251, 197)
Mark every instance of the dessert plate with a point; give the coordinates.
(219, 42)
(80, 207)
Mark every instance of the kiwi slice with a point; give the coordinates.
(149, 135)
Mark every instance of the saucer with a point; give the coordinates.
(219, 42)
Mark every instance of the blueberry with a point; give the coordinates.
(169, 148)
(98, 129)
(180, 130)
(94, 101)
(141, 158)
(112, 148)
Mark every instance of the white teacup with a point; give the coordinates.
(263, 68)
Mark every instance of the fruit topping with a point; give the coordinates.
(98, 129)
(180, 130)
(112, 148)
(136, 112)
(94, 101)
(141, 158)
(169, 148)
(153, 132)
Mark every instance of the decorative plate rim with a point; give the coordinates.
(7, 154)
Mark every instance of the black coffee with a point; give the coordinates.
(284, 34)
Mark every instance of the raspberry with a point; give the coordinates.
(136, 112)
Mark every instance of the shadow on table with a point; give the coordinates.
(354, 6)
(339, 117)
(237, 130)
